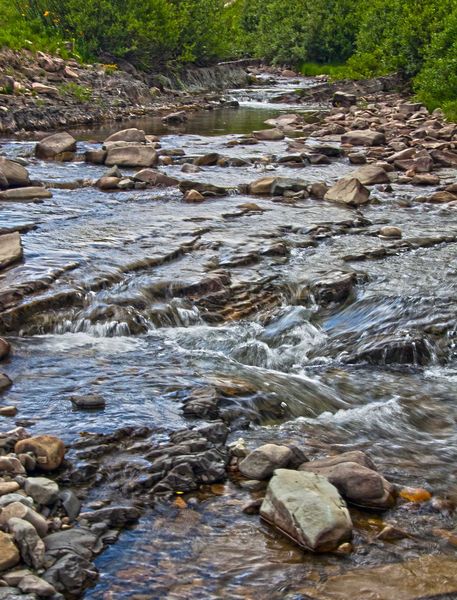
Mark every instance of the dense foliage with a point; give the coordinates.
(414, 37)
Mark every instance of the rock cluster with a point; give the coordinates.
(46, 545)
(306, 500)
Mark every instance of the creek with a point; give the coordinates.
(130, 332)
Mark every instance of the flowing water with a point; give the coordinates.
(119, 315)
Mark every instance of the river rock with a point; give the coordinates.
(348, 191)
(10, 498)
(261, 187)
(152, 177)
(56, 146)
(21, 511)
(5, 381)
(207, 189)
(44, 491)
(128, 135)
(97, 157)
(362, 137)
(207, 160)
(30, 544)
(16, 175)
(81, 541)
(48, 449)
(193, 196)
(88, 402)
(341, 98)
(132, 156)
(115, 516)
(31, 584)
(189, 168)
(71, 574)
(175, 118)
(370, 175)
(390, 232)
(108, 183)
(8, 411)
(307, 508)
(261, 462)
(356, 483)
(11, 464)
(269, 135)
(8, 487)
(9, 554)
(25, 193)
(70, 503)
(10, 252)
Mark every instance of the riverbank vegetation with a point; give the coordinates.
(344, 38)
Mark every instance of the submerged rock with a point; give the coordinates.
(308, 509)
(269, 135)
(425, 577)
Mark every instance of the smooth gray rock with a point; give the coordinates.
(356, 483)
(262, 461)
(71, 503)
(44, 491)
(132, 156)
(56, 145)
(10, 498)
(128, 135)
(308, 509)
(15, 174)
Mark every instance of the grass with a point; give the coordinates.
(79, 92)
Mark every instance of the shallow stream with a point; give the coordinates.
(129, 333)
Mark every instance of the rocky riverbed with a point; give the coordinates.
(236, 329)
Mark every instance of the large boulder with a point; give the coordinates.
(262, 462)
(15, 174)
(357, 483)
(363, 137)
(22, 194)
(128, 135)
(348, 191)
(59, 146)
(48, 450)
(10, 249)
(308, 509)
(9, 554)
(370, 175)
(131, 156)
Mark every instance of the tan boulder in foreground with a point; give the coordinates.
(48, 449)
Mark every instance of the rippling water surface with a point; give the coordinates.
(129, 333)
